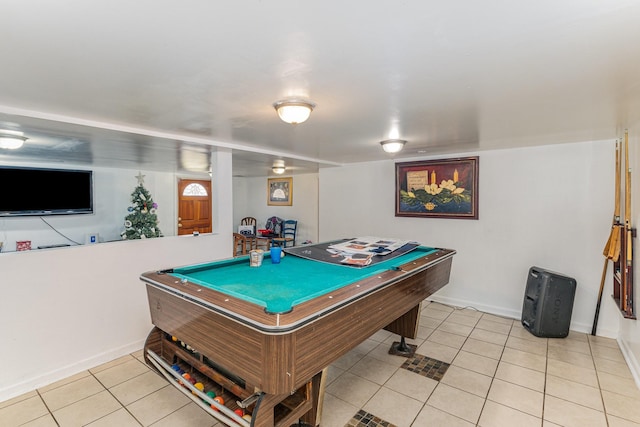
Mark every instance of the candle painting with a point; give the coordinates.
(445, 188)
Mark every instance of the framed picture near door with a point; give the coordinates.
(280, 191)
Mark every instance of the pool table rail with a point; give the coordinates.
(255, 316)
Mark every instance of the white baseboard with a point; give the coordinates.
(632, 362)
(45, 379)
(491, 309)
(516, 314)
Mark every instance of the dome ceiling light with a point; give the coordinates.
(278, 167)
(11, 140)
(294, 110)
(393, 145)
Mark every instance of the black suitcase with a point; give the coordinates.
(548, 303)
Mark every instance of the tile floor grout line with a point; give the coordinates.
(604, 407)
(493, 377)
(49, 411)
(544, 387)
(122, 405)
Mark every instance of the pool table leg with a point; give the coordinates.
(318, 384)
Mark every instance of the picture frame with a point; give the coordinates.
(444, 188)
(280, 191)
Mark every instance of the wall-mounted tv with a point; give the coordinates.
(36, 191)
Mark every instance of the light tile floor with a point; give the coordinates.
(499, 374)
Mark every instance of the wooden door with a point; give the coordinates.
(194, 206)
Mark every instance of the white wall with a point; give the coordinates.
(66, 310)
(549, 207)
(250, 199)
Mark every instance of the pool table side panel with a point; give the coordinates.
(278, 363)
(344, 329)
(232, 345)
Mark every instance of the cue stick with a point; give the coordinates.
(168, 373)
(612, 247)
(604, 275)
(627, 220)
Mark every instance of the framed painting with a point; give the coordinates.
(445, 188)
(280, 191)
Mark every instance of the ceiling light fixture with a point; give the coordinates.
(294, 110)
(278, 167)
(393, 145)
(11, 140)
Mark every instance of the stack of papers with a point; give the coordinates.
(361, 250)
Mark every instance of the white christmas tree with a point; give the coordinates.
(142, 221)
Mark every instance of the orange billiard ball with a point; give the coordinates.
(219, 400)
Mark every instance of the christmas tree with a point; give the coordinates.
(142, 221)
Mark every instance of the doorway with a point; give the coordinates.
(194, 206)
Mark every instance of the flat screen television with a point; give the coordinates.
(37, 191)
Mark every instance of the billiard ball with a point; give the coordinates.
(211, 394)
(174, 339)
(193, 381)
(239, 412)
(219, 400)
(247, 417)
(175, 367)
(199, 386)
(186, 376)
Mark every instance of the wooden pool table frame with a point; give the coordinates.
(278, 354)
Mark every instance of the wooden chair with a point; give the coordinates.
(288, 237)
(249, 220)
(239, 244)
(252, 241)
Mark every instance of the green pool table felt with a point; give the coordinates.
(280, 287)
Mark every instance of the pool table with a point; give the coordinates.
(273, 329)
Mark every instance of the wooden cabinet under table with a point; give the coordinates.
(270, 356)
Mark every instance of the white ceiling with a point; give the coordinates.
(157, 84)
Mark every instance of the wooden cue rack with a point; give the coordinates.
(623, 275)
(162, 352)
